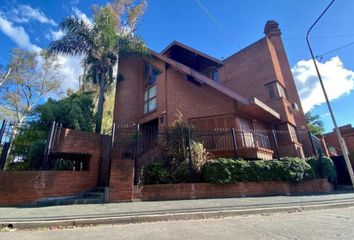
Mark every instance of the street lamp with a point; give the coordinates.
(340, 139)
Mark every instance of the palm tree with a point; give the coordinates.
(314, 123)
(101, 44)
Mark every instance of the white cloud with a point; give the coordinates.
(327, 114)
(17, 34)
(337, 80)
(81, 15)
(25, 13)
(55, 35)
(71, 70)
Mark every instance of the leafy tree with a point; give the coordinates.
(32, 77)
(4, 74)
(102, 44)
(314, 123)
(74, 111)
(28, 147)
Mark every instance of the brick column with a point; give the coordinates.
(121, 184)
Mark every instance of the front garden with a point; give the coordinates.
(184, 160)
(226, 171)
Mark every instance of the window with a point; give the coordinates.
(271, 91)
(292, 132)
(275, 90)
(150, 88)
(281, 91)
(246, 133)
(215, 75)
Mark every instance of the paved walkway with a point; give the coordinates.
(132, 209)
(324, 224)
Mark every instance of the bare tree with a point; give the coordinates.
(32, 78)
(4, 76)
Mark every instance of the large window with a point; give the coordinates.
(246, 133)
(150, 88)
(215, 75)
(275, 90)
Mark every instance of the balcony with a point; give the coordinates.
(240, 144)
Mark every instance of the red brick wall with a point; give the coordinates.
(19, 187)
(129, 93)
(121, 184)
(194, 101)
(22, 187)
(245, 189)
(247, 71)
(291, 90)
(347, 133)
(75, 141)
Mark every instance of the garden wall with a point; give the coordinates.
(242, 189)
(23, 187)
(121, 183)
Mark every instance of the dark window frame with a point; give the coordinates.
(276, 90)
(151, 75)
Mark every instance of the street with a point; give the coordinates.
(323, 224)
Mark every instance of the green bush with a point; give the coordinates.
(323, 168)
(294, 170)
(18, 166)
(28, 147)
(218, 171)
(223, 171)
(157, 173)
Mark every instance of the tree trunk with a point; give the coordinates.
(100, 104)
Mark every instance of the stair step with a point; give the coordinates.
(72, 201)
(94, 196)
(99, 189)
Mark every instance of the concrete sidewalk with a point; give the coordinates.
(131, 212)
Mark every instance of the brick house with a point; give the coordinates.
(252, 89)
(347, 132)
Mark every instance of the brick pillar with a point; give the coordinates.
(288, 142)
(323, 145)
(121, 184)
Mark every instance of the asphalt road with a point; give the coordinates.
(323, 224)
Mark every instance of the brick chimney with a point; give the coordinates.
(272, 28)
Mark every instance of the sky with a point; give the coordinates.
(216, 27)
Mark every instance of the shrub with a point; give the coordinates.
(157, 173)
(323, 168)
(294, 170)
(175, 146)
(16, 166)
(217, 171)
(223, 171)
(28, 146)
(200, 156)
(176, 154)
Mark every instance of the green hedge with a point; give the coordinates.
(157, 173)
(223, 171)
(323, 168)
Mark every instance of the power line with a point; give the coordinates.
(216, 22)
(211, 16)
(319, 37)
(334, 50)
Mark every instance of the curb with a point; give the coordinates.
(170, 216)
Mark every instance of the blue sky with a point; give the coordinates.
(230, 26)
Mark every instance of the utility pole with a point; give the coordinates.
(340, 139)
